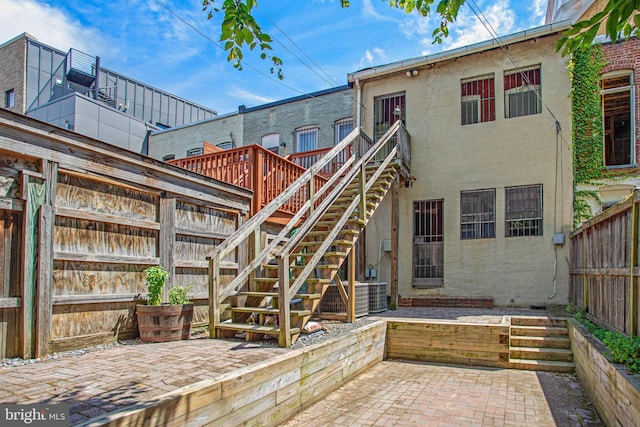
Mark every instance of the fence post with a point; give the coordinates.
(214, 304)
(633, 262)
(284, 307)
(259, 178)
(585, 279)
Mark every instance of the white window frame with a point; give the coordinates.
(271, 142)
(535, 89)
(306, 130)
(632, 125)
(470, 100)
(339, 124)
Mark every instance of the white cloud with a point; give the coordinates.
(249, 97)
(371, 12)
(48, 24)
(538, 10)
(372, 55)
(467, 29)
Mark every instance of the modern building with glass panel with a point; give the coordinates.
(73, 90)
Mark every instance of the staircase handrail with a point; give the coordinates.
(285, 251)
(249, 227)
(286, 230)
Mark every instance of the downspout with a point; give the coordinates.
(358, 103)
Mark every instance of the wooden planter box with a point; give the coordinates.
(614, 392)
(162, 323)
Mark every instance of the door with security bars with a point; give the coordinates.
(428, 244)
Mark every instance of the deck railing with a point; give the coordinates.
(306, 159)
(255, 168)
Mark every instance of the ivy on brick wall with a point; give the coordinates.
(585, 69)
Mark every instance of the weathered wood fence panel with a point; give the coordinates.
(79, 223)
(604, 267)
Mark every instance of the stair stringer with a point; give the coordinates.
(363, 182)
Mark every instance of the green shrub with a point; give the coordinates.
(156, 278)
(179, 295)
(622, 348)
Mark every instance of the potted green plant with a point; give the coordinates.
(159, 322)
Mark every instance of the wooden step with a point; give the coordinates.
(538, 321)
(556, 354)
(244, 327)
(337, 242)
(540, 342)
(275, 295)
(268, 310)
(324, 233)
(539, 331)
(542, 365)
(300, 267)
(326, 254)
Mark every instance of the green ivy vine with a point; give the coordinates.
(588, 165)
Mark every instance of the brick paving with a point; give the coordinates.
(397, 394)
(103, 381)
(392, 393)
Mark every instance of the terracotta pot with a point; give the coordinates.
(162, 323)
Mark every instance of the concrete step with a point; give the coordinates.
(542, 365)
(540, 342)
(529, 353)
(539, 331)
(538, 321)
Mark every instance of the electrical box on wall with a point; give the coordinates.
(386, 245)
(558, 239)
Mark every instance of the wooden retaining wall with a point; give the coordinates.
(264, 394)
(79, 222)
(615, 394)
(455, 343)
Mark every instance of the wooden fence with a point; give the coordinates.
(604, 267)
(79, 222)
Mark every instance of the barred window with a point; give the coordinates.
(522, 92)
(306, 138)
(195, 152)
(478, 214)
(387, 109)
(428, 253)
(343, 127)
(523, 211)
(477, 99)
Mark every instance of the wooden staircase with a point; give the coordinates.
(540, 343)
(280, 284)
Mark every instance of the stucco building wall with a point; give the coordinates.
(448, 158)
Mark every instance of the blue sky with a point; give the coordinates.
(143, 40)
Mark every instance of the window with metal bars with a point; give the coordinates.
(306, 138)
(428, 245)
(387, 109)
(523, 211)
(195, 152)
(522, 92)
(617, 99)
(478, 214)
(343, 127)
(477, 99)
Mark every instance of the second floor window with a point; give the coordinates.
(387, 109)
(9, 99)
(617, 99)
(306, 138)
(477, 98)
(194, 152)
(523, 211)
(272, 142)
(522, 92)
(343, 127)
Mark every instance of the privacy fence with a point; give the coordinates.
(80, 220)
(604, 267)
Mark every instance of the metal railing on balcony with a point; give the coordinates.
(81, 68)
